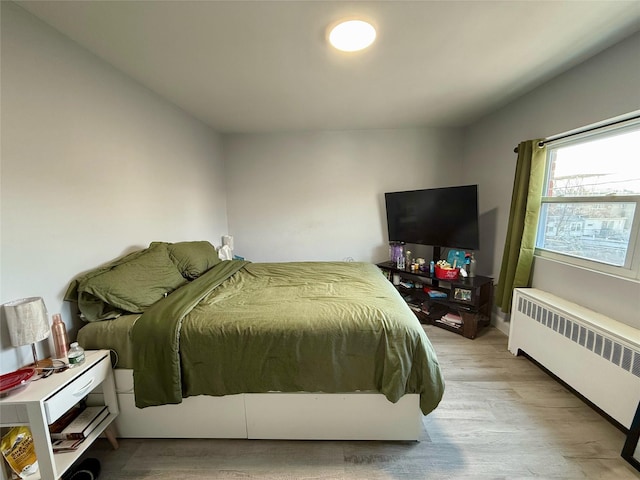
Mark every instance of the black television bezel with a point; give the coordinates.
(439, 213)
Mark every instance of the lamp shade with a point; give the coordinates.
(27, 321)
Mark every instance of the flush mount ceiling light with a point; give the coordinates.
(352, 35)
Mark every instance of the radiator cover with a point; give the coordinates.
(596, 355)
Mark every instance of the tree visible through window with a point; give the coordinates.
(591, 200)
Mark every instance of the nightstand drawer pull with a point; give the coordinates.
(82, 390)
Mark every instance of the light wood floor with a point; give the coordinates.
(501, 418)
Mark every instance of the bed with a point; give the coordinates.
(234, 349)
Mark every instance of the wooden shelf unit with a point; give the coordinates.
(471, 298)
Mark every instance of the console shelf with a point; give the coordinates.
(471, 298)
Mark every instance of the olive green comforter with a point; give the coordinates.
(290, 327)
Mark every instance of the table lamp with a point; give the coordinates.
(28, 323)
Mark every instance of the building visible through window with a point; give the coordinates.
(591, 200)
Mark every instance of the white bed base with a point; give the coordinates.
(292, 416)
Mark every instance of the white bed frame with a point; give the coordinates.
(292, 416)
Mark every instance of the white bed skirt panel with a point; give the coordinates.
(293, 416)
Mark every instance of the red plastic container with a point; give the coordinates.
(447, 273)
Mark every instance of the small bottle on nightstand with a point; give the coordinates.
(76, 355)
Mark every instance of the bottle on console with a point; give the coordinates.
(472, 266)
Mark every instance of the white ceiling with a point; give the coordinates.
(262, 66)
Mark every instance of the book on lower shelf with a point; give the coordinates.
(435, 293)
(60, 424)
(81, 425)
(61, 446)
(451, 319)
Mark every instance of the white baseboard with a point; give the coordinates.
(499, 321)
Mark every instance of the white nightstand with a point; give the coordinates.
(43, 401)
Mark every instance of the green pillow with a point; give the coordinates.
(192, 258)
(136, 284)
(72, 294)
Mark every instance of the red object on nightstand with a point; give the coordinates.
(15, 380)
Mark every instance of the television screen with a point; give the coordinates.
(440, 217)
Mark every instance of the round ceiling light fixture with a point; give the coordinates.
(352, 35)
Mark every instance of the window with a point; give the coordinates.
(590, 207)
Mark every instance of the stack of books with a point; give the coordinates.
(70, 430)
(451, 319)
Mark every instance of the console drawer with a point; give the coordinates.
(71, 394)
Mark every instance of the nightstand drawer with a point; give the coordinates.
(64, 399)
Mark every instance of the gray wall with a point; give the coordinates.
(606, 86)
(320, 195)
(93, 165)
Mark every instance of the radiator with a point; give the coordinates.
(595, 355)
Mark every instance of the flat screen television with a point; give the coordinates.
(439, 217)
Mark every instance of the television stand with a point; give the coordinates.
(470, 299)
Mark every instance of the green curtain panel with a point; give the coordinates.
(520, 243)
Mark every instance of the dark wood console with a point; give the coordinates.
(469, 298)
